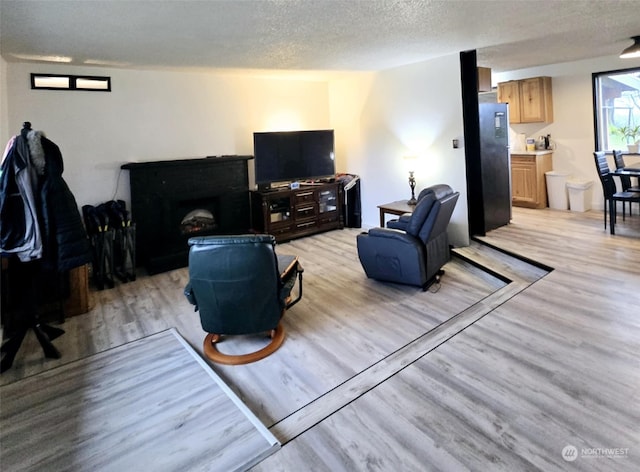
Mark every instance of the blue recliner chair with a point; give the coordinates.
(240, 286)
(413, 248)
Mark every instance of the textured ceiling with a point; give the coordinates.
(300, 35)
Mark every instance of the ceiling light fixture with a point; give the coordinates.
(31, 57)
(98, 62)
(633, 50)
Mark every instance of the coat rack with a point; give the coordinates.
(26, 286)
(27, 283)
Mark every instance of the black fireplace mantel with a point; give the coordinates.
(164, 192)
(187, 162)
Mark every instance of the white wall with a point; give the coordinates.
(409, 110)
(378, 117)
(156, 115)
(572, 128)
(159, 115)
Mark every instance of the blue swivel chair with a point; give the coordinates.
(240, 286)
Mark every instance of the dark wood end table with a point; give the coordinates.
(397, 208)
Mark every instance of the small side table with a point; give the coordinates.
(397, 208)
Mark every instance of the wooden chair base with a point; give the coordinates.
(212, 353)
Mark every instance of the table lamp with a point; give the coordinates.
(410, 162)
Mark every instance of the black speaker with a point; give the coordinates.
(352, 208)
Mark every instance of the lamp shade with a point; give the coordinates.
(633, 50)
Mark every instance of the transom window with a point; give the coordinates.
(616, 101)
(70, 82)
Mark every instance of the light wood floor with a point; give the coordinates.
(145, 405)
(370, 379)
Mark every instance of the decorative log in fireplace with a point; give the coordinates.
(172, 201)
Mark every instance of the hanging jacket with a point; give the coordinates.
(64, 242)
(19, 228)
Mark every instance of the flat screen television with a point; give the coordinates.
(290, 156)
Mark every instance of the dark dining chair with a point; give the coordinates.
(625, 180)
(618, 158)
(609, 190)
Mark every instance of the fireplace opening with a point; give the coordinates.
(197, 221)
(198, 217)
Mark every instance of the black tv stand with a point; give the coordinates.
(292, 213)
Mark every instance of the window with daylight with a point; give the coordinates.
(70, 82)
(616, 109)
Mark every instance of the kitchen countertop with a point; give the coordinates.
(532, 153)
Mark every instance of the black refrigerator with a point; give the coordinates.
(495, 164)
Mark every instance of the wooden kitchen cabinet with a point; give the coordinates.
(536, 103)
(528, 181)
(484, 79)
(509, 92)
(530, 100)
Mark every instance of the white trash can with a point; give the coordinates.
(557, 190)
(579, 194)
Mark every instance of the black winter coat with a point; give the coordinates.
(64, 239)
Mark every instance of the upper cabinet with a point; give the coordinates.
(484, 79)
(530, 100)
(509, 92)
